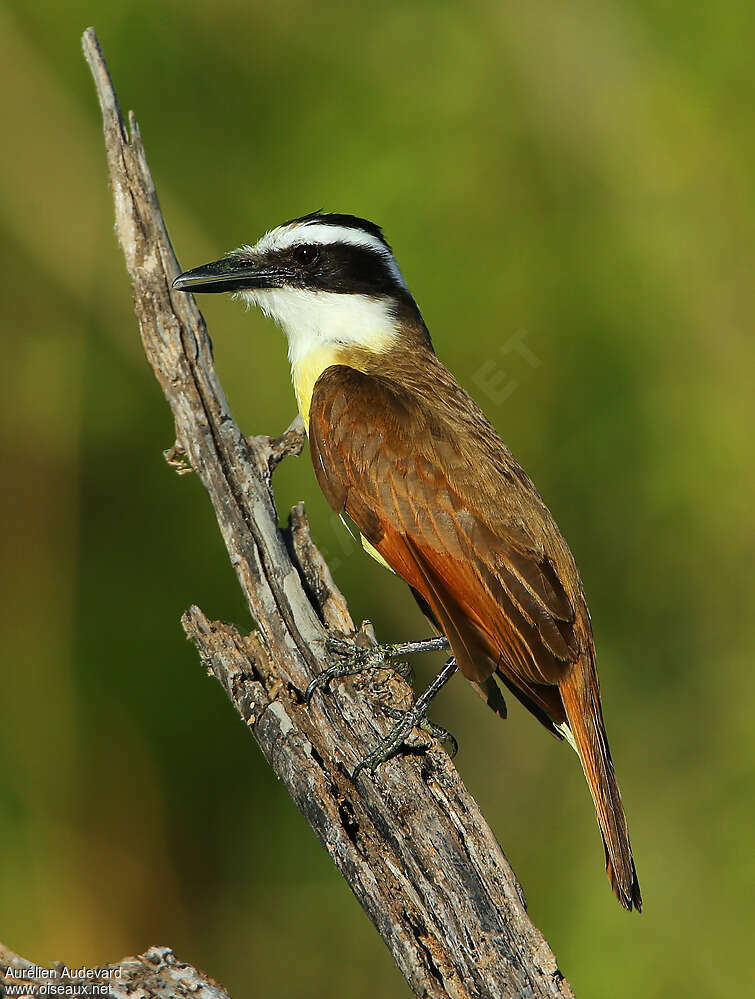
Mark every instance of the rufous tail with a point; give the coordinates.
(581, 698)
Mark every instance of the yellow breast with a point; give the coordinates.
(306, 372)
(307, 365)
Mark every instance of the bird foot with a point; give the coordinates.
(415, 717)
(392, 744)
(352, 660)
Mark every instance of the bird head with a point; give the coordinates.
(324, 278)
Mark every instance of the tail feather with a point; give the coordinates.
(581, 699)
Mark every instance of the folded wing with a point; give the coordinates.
(434, 490)
(450, 522)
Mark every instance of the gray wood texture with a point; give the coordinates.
(156, 974)
(410, 840)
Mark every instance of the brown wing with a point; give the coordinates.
(431, 486)
(452, 523)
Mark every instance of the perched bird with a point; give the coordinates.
(402, 451)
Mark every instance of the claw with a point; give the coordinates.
(391, 745)
(321, 680)
(340, 646)
(357, 660)
(435, 731)
(408, 720)
(384, 751)
(353, 660)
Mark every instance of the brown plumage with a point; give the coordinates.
(404, 451)
(401, 448)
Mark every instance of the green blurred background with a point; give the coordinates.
(577, 177)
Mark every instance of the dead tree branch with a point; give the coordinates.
(410, 841)
(156, 973)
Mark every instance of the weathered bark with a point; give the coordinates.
(156, 973)
(409, 840)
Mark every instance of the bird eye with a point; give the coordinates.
(306, 254)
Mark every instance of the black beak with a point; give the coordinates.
(228, 274)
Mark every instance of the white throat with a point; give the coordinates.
(320, 326)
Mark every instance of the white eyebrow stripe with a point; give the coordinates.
(321, 234)
(299, 233)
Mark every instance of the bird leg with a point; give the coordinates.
(408, 720)
(434, 730)
(355, 660)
